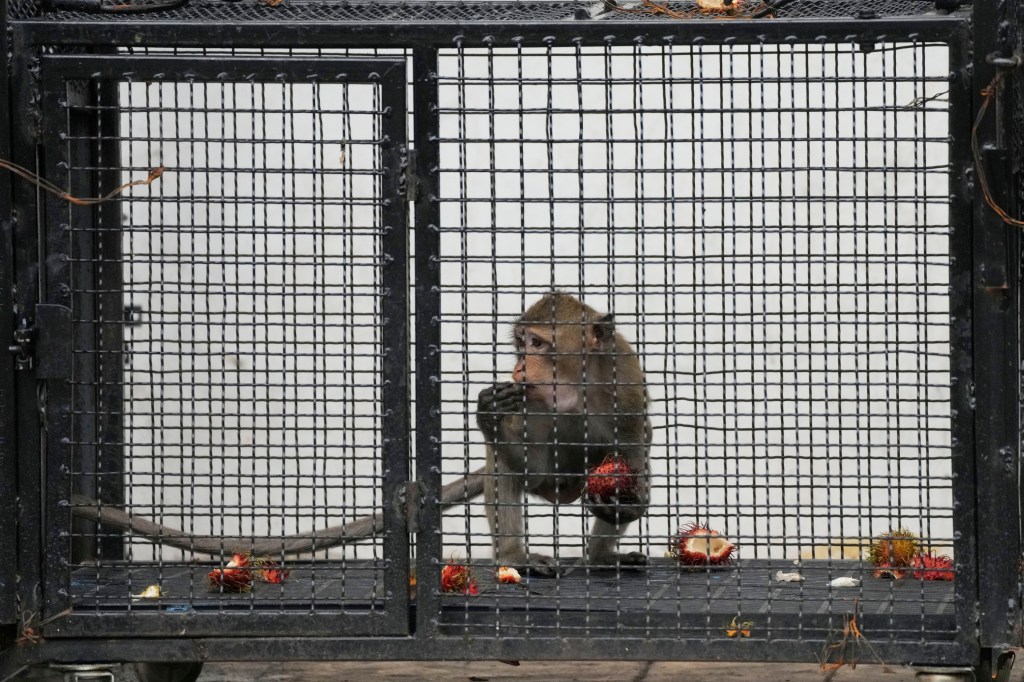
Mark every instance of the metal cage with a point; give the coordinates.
(264, 359)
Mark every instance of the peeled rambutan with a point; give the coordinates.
(892, 552)
(698, 545)
(928, 566)
(235, 577)
(612, 481)
(509, 575)
(719, 5)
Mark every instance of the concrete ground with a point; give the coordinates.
(537, 671)
(546, 671)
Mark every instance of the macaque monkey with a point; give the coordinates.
(577, 395)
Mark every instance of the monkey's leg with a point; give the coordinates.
(604, 537)
(503, 500)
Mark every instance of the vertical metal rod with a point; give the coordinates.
(996, 368)
(9, 414)
(395, 311)
(24, 89)
(427, 340)
(961, 340)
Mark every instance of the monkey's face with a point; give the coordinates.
(547, 370)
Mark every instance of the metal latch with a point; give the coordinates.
(24, 339)
(46, 343)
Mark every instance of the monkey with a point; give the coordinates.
(577, 394)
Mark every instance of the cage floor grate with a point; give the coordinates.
(748, 590)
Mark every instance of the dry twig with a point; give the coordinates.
(842, 648)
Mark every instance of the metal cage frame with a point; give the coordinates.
(66, 44)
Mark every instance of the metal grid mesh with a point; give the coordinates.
(413, 11)
(691, 10)
(770, 227)
(243, 291)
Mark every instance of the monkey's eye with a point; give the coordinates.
(536, 342)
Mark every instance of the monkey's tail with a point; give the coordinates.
(114, 518)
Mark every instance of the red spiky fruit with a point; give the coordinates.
(270, 571)
(698, 545)
(930, 566)
(610, 481)
(235, 577)
(457, 578)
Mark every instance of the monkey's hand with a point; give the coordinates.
(494, 403)
(618, 511)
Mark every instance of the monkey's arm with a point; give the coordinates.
(455, 493)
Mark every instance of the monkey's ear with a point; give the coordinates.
(603, 331)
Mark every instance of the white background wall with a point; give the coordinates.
(776, 246)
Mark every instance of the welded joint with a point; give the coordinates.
(408, 181)
(410, 500)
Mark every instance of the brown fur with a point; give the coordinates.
(578, 396)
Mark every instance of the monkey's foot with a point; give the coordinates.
(614, 560)
(540, 565)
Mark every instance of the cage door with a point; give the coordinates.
(230, 440)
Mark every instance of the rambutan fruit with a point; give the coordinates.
(269, 570)
(612, 481)
(722, 6)
(892, 552)
(615, 491)
(235, 577)
(457, 578)
(509, 575)
(928, 566)
(698, 545)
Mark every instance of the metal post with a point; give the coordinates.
(428, 337)
(8, 415)
(996, 341)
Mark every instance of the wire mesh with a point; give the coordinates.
(770, 227)
(768, 224)
(230, 340)
(418, 11)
